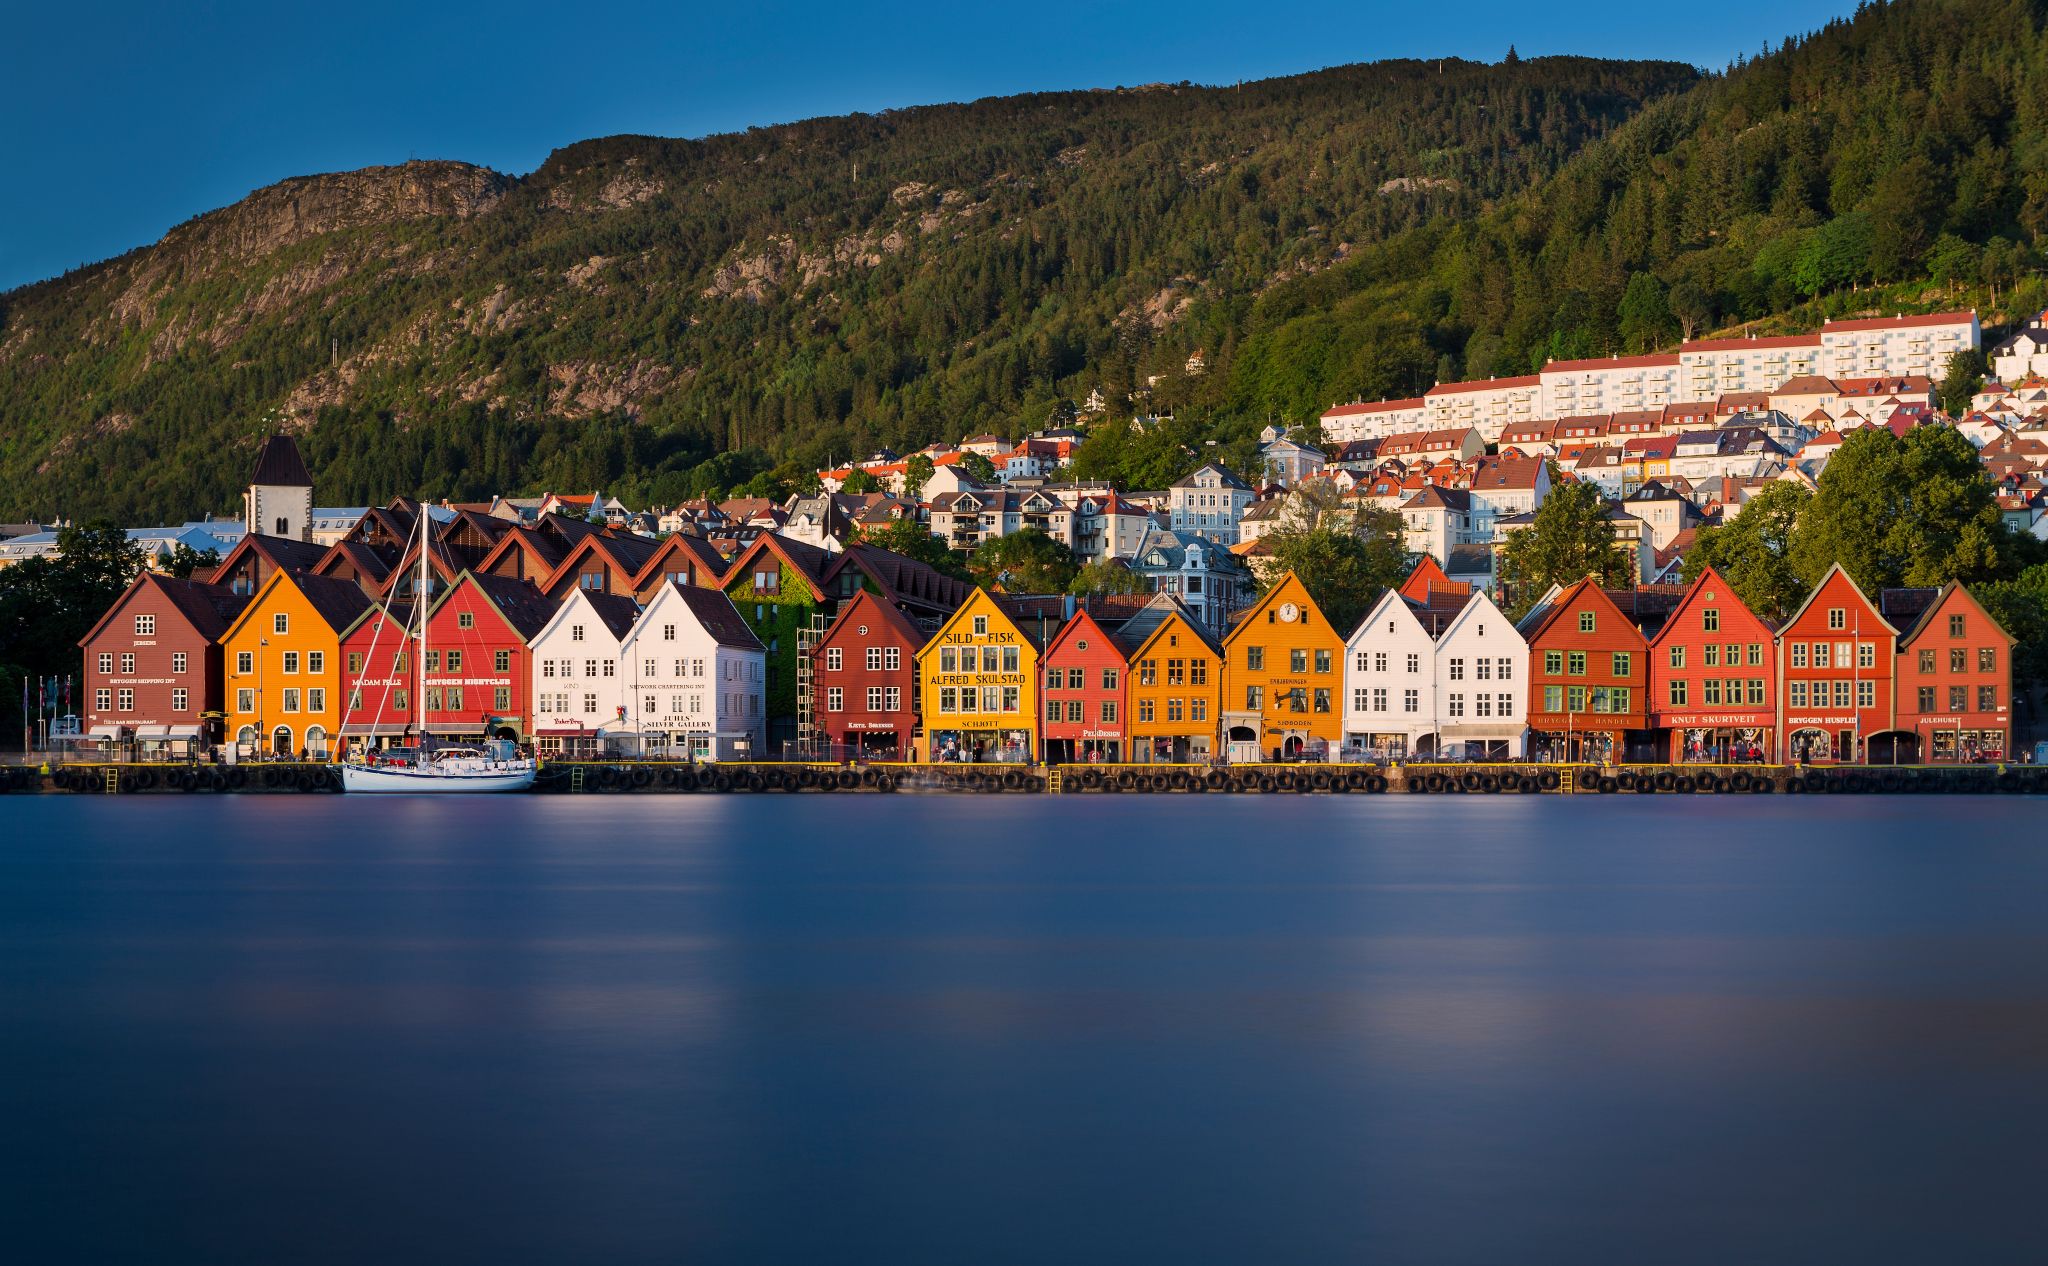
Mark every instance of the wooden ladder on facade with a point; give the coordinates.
(1052, 780)
(113, 780)
(1567, 783)
(575, 778)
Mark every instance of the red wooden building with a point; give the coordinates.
(1835, 662)
(1589, 673)
(1713, 683)
(864, 679)
(378, 677)
(1955, 681)
(153, 663)
(1083, 689)
(477, 671)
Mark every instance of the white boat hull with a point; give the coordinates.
(402, 780)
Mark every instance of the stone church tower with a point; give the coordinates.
(280, 497)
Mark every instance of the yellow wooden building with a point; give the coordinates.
(1175, 702)
(1285, 667)
(978, 681)
(281, 660)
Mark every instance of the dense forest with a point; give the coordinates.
(665, 318)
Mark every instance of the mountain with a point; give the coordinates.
(664, 317)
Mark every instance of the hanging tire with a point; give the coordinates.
(1740, 780)
(1608, 786)
(1548, 780)
(1489, 783)
(885, 783)
(1376, 782)
(1215, 780)
(1267, 783)
(1012, 780)
(1125, 780)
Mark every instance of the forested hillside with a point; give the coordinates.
(666, 318)
(637, 307)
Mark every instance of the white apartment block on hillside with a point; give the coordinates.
(1489, 406)
(1345, 423)
(1618, 384)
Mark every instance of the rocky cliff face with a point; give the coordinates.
(291, 211)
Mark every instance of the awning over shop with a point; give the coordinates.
(376, 729)
(1481, 731)
(184, 732)
(106, 733)
(152, 733)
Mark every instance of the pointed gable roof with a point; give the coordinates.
(1083, 624)
(1948, 593)
(1288, 588)
(982, 602)
(713, 611)
(1813, 595)
(281, 552)
(1392, 604)
(1709, 581)
(210, 609)
(811, 564)
(701, 553)
(279, 465)
(1546, 614)
(871, 608)
(1161, 612)
(523, 608)
(338, 603)
(1427, 577)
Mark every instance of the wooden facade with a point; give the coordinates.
(1836, 657)
(1713, 678)
(864, 680)
(1955, 682)
(153, 662)
(282, 664)
(1083, 691)
(979, 679)
(1174, 699)
(1284, 667)
(1588, 676)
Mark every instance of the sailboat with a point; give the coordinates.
(429, 769)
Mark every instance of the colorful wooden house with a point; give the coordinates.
(579, 695)
(979, 678)
(864, 678)
(1836, 657)
(379, 677)
(695, 674)
(1955, 682)
(476, 672)
(1174, 695)
(1713, 678)
(153, 662)
(1082, 674)
(1588, 677)
(1284, 667)
(283, 671)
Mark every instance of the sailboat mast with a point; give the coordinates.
(420, 609)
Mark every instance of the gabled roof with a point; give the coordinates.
(715, 612)
(1546, 614)
(1083, 624)
(281, 552)
(1387, 606)
(525, 609)
(1813, 595)
(338, 603)
(615, 611)
(210, 609)
(629, 554)
(1940, 599)
(903, 579)
(812, 564)
(1427, 577)
(1708, 579)
(702, 552)
(1287, 582)
(871, 608)
(1151, 621)
(280, 466)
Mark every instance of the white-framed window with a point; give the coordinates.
(874, 698)
(316, 662)
(316, 699)
(127, 663)
(291, 700)
(874, 659)
(245, 700)
(145, 626)
(892, 658)
(281, 623)
(291, 661)
(575, 632)
(107, 663)
(835, 699)
(177, 661)
(180, 699)
(892, 699)
(102, 699)
(835, 659)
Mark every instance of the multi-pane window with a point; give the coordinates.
(1677, 656)
(1987, 659)
(1838, 618)
(291, 661)
(501, 661)
(1866, 694)
(245, 700)
(1457, 669)
(1297, 661)
(1799, 656)
(1926, 698)
(874, 698)
(1322, 661)
(501, 698)
(1677, 693)
(1576, 663)
(291, 700)
(874, 659)
(1623, 662)
(316, 699)
(892, 698)
(127, 698)
(1956, 626)
(1710, 619)
(835, 699)
(127, 663)
(1866, 654)
(1457, 703)
(1958, 698)
(281, 623)
(1553, 662)
(1145, 708)
(107, 662)
(1958, 659)
(1795, 694)
(1254, 658)
(1987, 698)
(1411, 701)
(145, 626)
(180, 699)
(1585, 621)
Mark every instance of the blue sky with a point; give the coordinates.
(122, 119)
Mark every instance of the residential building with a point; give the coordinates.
(864, 678)
(1208, 503)
(282, 664)
(1954, 680)
(1897, 345)
(979, 680)
(1588, 677)
(696, 677)
(1209, 579)
(1489, 406)
(1283, 669)
(1174, 702)
(1082, 675)
(153, 662)
(1609, 385)
(476, 674)
(1835, 673)
(579, 694)
(1360, 420)
(1713, 678)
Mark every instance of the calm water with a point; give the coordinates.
(967, 1030)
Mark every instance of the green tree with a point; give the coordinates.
(1026, 561)
(48, 603)
(860, 483)
(1571, 538)
(2020, 606)
(1897, 512)
(1905, 209)
(1110, 576)
(1693, 305)
(917, 472)
(1966, 370)
(1645, 314)
(1753, 551)
(1834, 255)
(979, 466)
(185, 560)
(1347, 555)
(912, 539)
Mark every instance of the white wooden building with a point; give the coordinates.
(696, 677)
(578, 690)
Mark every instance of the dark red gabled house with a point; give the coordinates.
(1083, 686)
(153, 662)
(1589, 672)
(1954, 681)
(1713, 678)
(864, 679)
